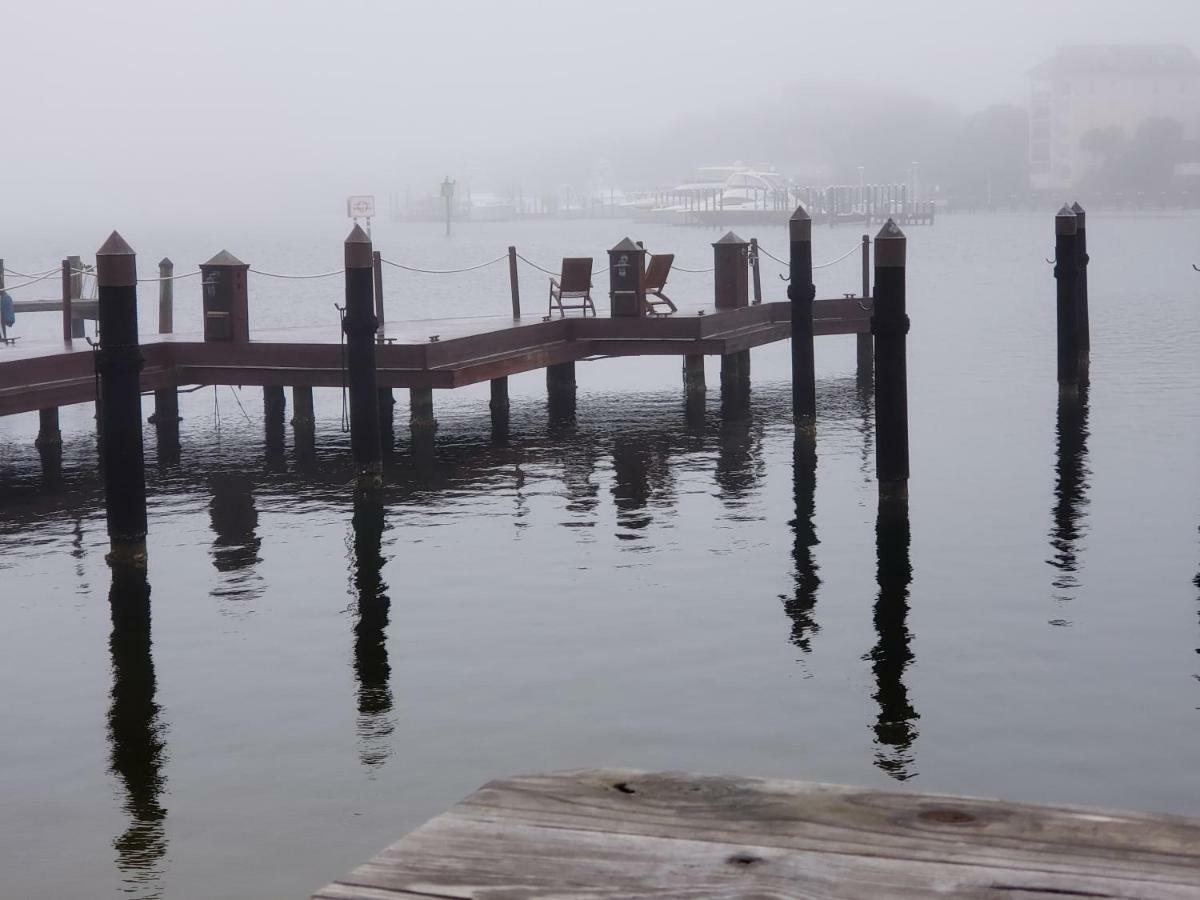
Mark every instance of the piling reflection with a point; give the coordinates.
(895, 729)
(737, 451)
(371, 668)
(803, 600)
(136, 737)
(1070, 491)
(235, 549)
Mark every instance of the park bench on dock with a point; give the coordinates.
(619, 833)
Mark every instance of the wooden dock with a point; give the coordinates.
(440, 353)
(616, 833)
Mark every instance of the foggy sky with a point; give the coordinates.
(161, 110)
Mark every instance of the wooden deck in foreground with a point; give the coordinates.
(38, 375)
(605, 834)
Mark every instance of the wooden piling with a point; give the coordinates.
(166, 296)
(735, 371)
(75, 264)
(1066, 270)
(274, 410)
(801, 293)
(693, 375)
(513, 283)
(864, 344)
(68, 329)
(118, 364)
(360, 326)
(499, 399)
(420, 410)
(560, 381)
(889, 325)
(1081, 286)
(49, 434)
(730, 285)
(302, 407)
(757, 281)
(166, 407)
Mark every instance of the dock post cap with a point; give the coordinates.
(800, 226)
(890, 232)
(358, 249)
(1080, 215)
(224, 258)
(891, 246)
(626, 245)
(1077, 209)
(166, 261)
(1065, 221)
(116, 263)
(730, 238)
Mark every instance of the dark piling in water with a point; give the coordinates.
(801, 293)
(119, 365)
(360, 325)
(889, 325)
(1066, 271)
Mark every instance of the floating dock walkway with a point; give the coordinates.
(617, 833)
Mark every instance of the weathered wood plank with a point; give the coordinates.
(602, 834)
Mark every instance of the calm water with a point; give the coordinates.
(625, 584)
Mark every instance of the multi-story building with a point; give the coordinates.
(1091, 88)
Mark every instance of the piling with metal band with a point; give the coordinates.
(1066, 271)
(864, 345)
(513, 283)
(889, 325)
(119, 364)
(801, 293)
(360, 325)
(1081, 287)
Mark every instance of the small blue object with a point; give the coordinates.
(8, 313)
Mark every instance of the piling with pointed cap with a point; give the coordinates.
(1081, 287)
(224, 282)
(118, 365)
(889, 325)
(731, 284)
(801, 293)
(360, 325)
(627, 279)
(1066, 271)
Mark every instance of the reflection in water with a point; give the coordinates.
(631, 483)
(371, 668)
(891, 655)
(1070, 491)
(799, 606)
(235, 524)
(135, 732)
(737, 453)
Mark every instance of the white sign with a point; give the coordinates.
(361, 206)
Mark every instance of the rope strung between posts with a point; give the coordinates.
(763, 250)
(14, 287)
(679, 268)
(539, 268)
(484, 265)
(11, 271)
(171, 277)
(297, 277)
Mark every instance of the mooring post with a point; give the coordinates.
(889, 325)
(513, 283)
(166, 296)
(75, 264)
(377, 290)
(801, 293)
(730, 288)
(360, 326)
(68, 329)
(735, 371)
(865, 346)
(118, 365)
(1066, 271)
(1085, 329)
(49, 435)
(499, 401)
(302, 407)
(754, 271)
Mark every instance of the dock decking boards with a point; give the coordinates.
(600, 834)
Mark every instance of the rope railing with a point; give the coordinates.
(825, 265)
(14, 287)
(171, 277)
(297, 277)
(8, 270)
(483, 265)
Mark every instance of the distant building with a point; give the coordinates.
(1085, 89)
